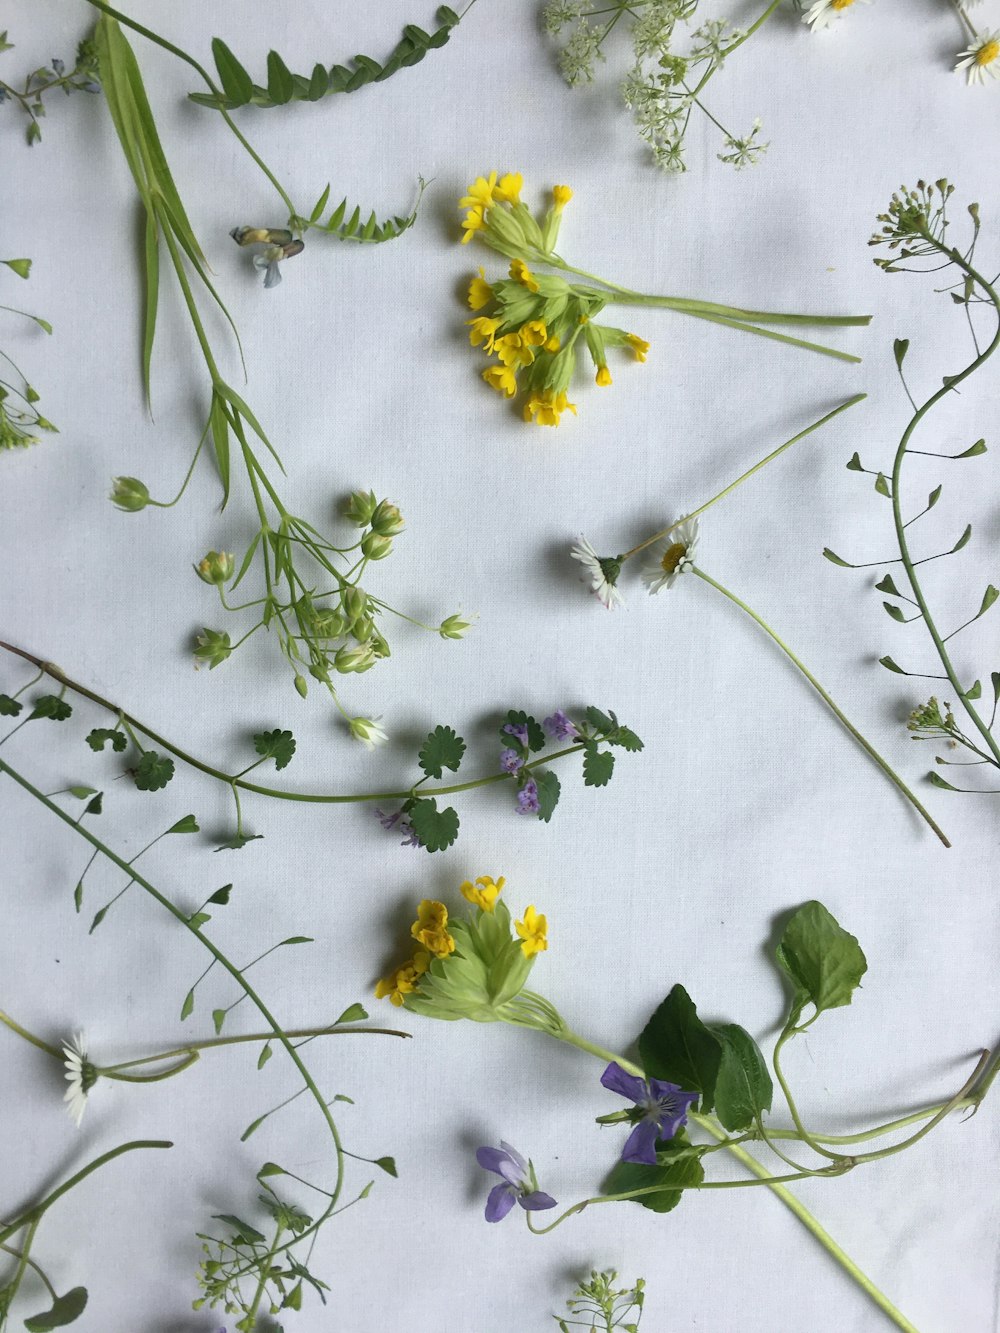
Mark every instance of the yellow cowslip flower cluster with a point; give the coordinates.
(484, 893)
(404, 980)
(431, 928)
(533, 932)
(533, 322)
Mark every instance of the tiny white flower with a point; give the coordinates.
(367, 731)
(821, 14)
(80, 1074)
(672, 556)
(981, 58)
(601, 572)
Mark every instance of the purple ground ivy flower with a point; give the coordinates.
(559, 726)
(660, 1110)
(510, 761)
(396, 820)
(518, 1182)
(527, 798)
(519, 730)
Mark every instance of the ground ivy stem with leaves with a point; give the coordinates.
(841, 717)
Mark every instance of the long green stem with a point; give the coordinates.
(768, 458)
(909, 564)
(869, 749)
(747, 1160)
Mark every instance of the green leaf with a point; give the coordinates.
(354, 1013)
(442, 749)
(242, 1231)
(856, 465)
(549, 790)
(280, 86)
(101, 736)
(98, 918)
(187, 1008)
(598, 765)
(153, 771)
(824, 963)
(890, 665)
(264, 1056)
(899, 349)
(675, 1045)
(835, 559)
(598, 721)
(963, 540)
(218, 1018)
(995, 679)
(936, 780)
(436, 829)
(236, 82)
(672, 1176)
(321, 203)
(888, 586)
(883, 487)
(220, 898)
(626, 738)
(9, 707)
(186, 825)
(388, 1165)
(297, 939)
(743, 1089)
(276, 745)
(64, 1310)
(52, 707)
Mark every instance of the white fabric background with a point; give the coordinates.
(748, 798)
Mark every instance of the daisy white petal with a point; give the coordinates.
(672, 556)
(601, 572)
(821, 14)
(80, 1075)
(982, 58)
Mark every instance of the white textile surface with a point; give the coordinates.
(748, 799)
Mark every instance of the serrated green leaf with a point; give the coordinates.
(549, 791)
(598, 765)
(101, 736)
(823, 961)
(388, 1165)
(276, 745)
(9, 707)
(518, 718)
(186, 825)
(153, 771)
(675, 1045)
(743, 1089)
(855, 465)
(598, 721)
(64, 1310)
(236, 82)
(187, 1008)
(626, 738)
(53, 708)
(899, 349)
(436, 829)
(354, 1013)
(442, 749)
(835, 559)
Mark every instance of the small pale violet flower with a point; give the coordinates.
(559, 726)
(660, 1110)
(519, 730)
(527, 798)
(395, 820)
(510, 761)
(59, 67)
(518, 1182)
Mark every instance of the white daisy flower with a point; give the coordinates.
(601, 572)
(367, 731)
(80, 1074)
(672, 556)
(981, 58)
(821, 14)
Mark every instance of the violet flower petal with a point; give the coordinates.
(615, 1079)
(515, 1157)
(640, 1146)
(536, 1201)
(500, 1202)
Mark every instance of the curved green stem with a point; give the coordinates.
(869, 749)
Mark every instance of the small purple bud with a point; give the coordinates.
(527, 798)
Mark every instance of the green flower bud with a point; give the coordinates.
(387, 520)
(363, 629)
(329, 624)
(302, 685)
(359, 507)
(375, 546)
(356, 659)
(212, 646)
(455, 627)
(355, 604)
(130, 494)
(367, 731)
(217, 567)
(379, 645)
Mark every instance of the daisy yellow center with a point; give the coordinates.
(673, 556)
(988, 53)
(842, 4)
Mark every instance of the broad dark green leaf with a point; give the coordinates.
(899, 349)
(52, 707)
(675, 1045)
(65, 1309)
(388, 1165)
(276, 745)
(855, 465)
(9, 707)
(549, 790)
(442, 749)
(436, 829)
(823, 961)
(220, 898)
(236, 82)
(743, 1089)
(153, 771)
(598, 765)
(673, 1177)
(102, 736)
(279, 80)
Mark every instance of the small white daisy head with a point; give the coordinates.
(80, 1075)
(672, 556)
(821, 14)
(982, 58)
(601, 572)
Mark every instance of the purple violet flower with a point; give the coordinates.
(519, 730)
(518, 1182)
(527, 798)
(510, 761)
(660, 1110)
(559, 726)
